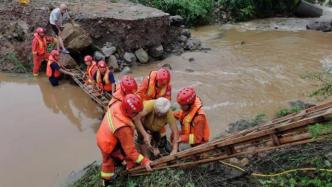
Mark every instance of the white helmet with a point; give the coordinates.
(162, 105)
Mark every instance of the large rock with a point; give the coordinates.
(193, 44)
(324, 25)
(176, 20)
(98, 56)
(112, 61)
(108, 50)
(76, 38)
(129, 57)
(67, 61)
(156, 51)
(142, 56)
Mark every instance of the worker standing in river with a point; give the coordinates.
(126, 86)
(194, 124)
(150, 124)
(57, 16)
(91, 69)
(39, 49)
(53, 68)
(115, 137)
(156, 85)
(104, 78)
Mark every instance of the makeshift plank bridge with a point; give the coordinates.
(282, 132)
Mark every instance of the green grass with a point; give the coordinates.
(11, 57)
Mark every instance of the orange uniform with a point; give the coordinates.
(49, 72)
(116, 136)
(118, 95)
(105, 81)
(148, 89)
(194, 124)
(39, 52)
(90, 71)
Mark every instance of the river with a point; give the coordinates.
(47, 133)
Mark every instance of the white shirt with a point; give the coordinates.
(56, 16)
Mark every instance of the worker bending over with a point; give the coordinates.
(104, 78)
(115, 137)
(194, 124)
(150, 122)
(156, 85)
(53, 69)
(126, 86)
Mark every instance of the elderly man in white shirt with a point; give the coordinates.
(56, 18)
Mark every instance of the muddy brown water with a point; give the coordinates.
(46, 133)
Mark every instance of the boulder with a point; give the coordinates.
(142, 56)
(183, 38)
(186, 33)
(176, 20)
(98, 56)
(108, 50)
(324, 25)
(129, 57)
(112, 61)
(76, 38)
(193, 44)
(67, 61)
(156, 51)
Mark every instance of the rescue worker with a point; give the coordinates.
(126, 86)
(39, 50)
(56, 19)
(53, 69)
(115, 137)
(194, 124)
(91, 69)
(151, 121)
(104, 78)
(156, 85)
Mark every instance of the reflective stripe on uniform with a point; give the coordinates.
(110, 122)
(139, 159)
(106, 175)
(191, 139)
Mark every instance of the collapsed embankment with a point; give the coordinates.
(122, 34)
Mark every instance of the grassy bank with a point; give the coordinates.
(197, 12)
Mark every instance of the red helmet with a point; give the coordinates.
(87, 58)
(102, 64)
(128, 84)
(55, 54)
(131, 105)
(40, 30)
(186, 96)
(163, 76)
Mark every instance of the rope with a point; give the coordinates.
(276, 174)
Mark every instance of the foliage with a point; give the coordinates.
(325, 87)
(12, 58)
(193, 11)
(286, 111)
(320, 129)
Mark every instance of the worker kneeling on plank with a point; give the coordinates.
(104, 78)
(156, 85)
(91, 69)
(126, 86)
(194, 124)
(39, 49)
(115, 137)
(53, 68)
(151, 121)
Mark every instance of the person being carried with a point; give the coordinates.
(115, 138)
(156, 85)
(150, 122)
(194, 124)
(39, 49)
(57, 16)
(126, 86)
(91, 69)
(53, 69)
(104, 78)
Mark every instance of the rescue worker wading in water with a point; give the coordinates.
(115, 137)
(104, 78)
(126, 86)
(53, 69)
(91, 69)
(156, 85)
(194, 124)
